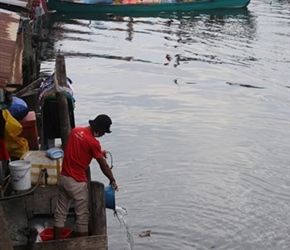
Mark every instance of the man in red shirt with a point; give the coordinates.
(81, 148)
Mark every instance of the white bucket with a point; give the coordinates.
(20, 175)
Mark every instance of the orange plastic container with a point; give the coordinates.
(47, 234)
(29, 131)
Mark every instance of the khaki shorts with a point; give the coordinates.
(71, 190)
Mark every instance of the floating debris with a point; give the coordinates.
(244, 85)
(146, 233)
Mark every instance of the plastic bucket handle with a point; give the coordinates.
(16, 177)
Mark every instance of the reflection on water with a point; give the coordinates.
(181, 28)
(200, 110)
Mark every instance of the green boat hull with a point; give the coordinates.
(195, 5)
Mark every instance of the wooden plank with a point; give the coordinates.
(44, 200)
(28, 204)
(43, 203)
(61, 79)
(16, 219)
(94, 242)
(29, 87)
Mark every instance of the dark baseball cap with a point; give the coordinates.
(101, 122)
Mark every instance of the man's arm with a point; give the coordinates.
(107, 172)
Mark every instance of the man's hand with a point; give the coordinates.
(114, 185)
(104, 152)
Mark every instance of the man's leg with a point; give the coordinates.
(62, 208)
(81, 202)
(83, 234)
(57, 232)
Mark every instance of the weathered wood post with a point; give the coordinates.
(98, 223)
(60, 80)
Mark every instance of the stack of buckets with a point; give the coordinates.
(20, 175)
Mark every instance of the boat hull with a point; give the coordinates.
(195, 5)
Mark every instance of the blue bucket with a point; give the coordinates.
(110, 197)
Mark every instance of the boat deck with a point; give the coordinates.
(28, 215)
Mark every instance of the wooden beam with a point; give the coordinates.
(94, 242)
(98, 223)
(29, 88)
(60, 75)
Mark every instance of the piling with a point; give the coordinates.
(60, 81)
(98, 223)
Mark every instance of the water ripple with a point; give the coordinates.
(200, 108)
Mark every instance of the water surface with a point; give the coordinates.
(201, 132)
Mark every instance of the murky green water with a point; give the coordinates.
(201, 125)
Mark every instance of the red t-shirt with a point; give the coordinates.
(80, 149)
